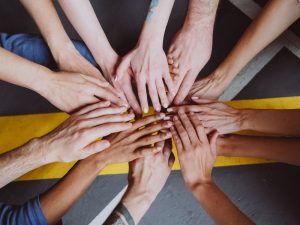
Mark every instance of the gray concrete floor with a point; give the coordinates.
(269, 194)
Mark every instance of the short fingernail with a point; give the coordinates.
(167, 117)
(195, 97)
(157, 109)
(170, 110)
(145, 109)
(161, 115)
(106, 144)
(175, 118)
(123, 108)
(158, 148)
(169, 124)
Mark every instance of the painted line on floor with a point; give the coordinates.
(17, 130)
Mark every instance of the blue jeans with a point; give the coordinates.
(35, 49)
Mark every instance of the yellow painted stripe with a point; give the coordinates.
(16, 130)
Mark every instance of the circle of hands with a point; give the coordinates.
(104, 106)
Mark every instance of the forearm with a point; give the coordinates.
(17, 162)
(16, 70)
(131, 209)
(216, 204)
(274, 18)
(61, 197)
(45, 16)
(156, 21)
(284, 122)
(79, 12)
(278, 149)
(202, 11)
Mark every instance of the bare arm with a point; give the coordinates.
(197, 156)
(274, 18)
(65, 54)
(86, 23)
(277, 149)
(58, 200)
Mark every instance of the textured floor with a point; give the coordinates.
(269, 194)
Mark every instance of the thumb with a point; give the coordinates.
(213, 142)
(95, 147)
(122, 68)
(202, 101)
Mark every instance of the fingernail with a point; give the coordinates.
(157, 109)
(170, 110)
(158, 148)
(191, 113)
(123, 108)
(175, 118)
(167, 118)
(165, 105)
(169, 124)
(195, 97)
(106, 144)
(145, 109)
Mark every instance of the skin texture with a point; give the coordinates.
(59, 199)
(275, 18)
(147, 62)
(65, 90)
(279, 149)
(76, 138)
(65, 54)
(197, 155)
(146, 178)
(191, 47)
(225, 119)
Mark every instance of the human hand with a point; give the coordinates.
(211, 87)
(147, 176)
(189, 52)
(215, 116)
(71, 91)
(76, 138)
(149, 67)
(196, 153)
(136, 142)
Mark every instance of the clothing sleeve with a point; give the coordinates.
(34, 48)
(28, 214)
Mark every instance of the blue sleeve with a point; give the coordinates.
(35, 49)
(28, 214)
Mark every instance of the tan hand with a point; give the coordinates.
(78, 137)
(196, 154)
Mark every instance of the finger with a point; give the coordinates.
(169, 82)
(105, 129)
(189, 108)
(101, 83)
(143, 152)
(167, 149)
(93, 148)
(91, 107)
(213, 142)
(151, 129)
(185, 86)
(147, 120)
(154, 96)
(152, 139)
(188, 127)
(162, 93)
(177, 140)
(202, 101)
(184, 137)
(200, 129)
(130, 95)
(108, 95)
(103, 111)
(142, 93)
(106, 119)
(160, 145)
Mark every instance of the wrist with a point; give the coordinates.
(39, 149)
(151, 38)
(40, 80)
(201, 186)
(247, 119)
(137, 202)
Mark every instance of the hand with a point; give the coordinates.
(149, 67)
(147, 176)
(71, 91)
(211, 87)
(70, 60)
(77, 137)
(195, 152)
(136, 142)
(215, 116)
(189, 52)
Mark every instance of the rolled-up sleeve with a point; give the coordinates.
(28, 214)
